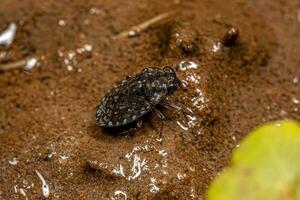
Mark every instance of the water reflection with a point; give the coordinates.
(138, 166)
(119, 195)
(153, 186)
(192, 81)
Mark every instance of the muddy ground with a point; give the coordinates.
(47, 113)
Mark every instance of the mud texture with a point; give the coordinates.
(238, 61)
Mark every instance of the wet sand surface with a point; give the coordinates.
(47, 124)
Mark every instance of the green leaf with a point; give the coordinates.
(265, 166)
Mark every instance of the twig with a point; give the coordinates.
(13, 65)
(135, 30)
(221, 22)
(27, 64)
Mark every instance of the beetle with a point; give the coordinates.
(135, 96)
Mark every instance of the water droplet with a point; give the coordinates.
(94, 10)
(119, 171)
(23, 192)
(132, 33)
(153, 186)
(295, 80)
(14, 161)
(7, 36)
(182, 126)
(63, 157)
(30, 63)
(119, 195)
(185, 65)
(70, 68)
(193, 78)
(295, 101)
(137, 167)
(216, 46)
(61, 22)
(180, 176)
(163, 152)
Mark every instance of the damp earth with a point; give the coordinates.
(238, 62)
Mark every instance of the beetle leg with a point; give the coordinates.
(174, 107)
(162, 117)
(139, 124)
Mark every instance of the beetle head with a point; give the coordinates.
(173, 81)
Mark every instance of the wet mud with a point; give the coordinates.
(238, 61)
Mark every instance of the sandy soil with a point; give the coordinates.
(47, 113)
